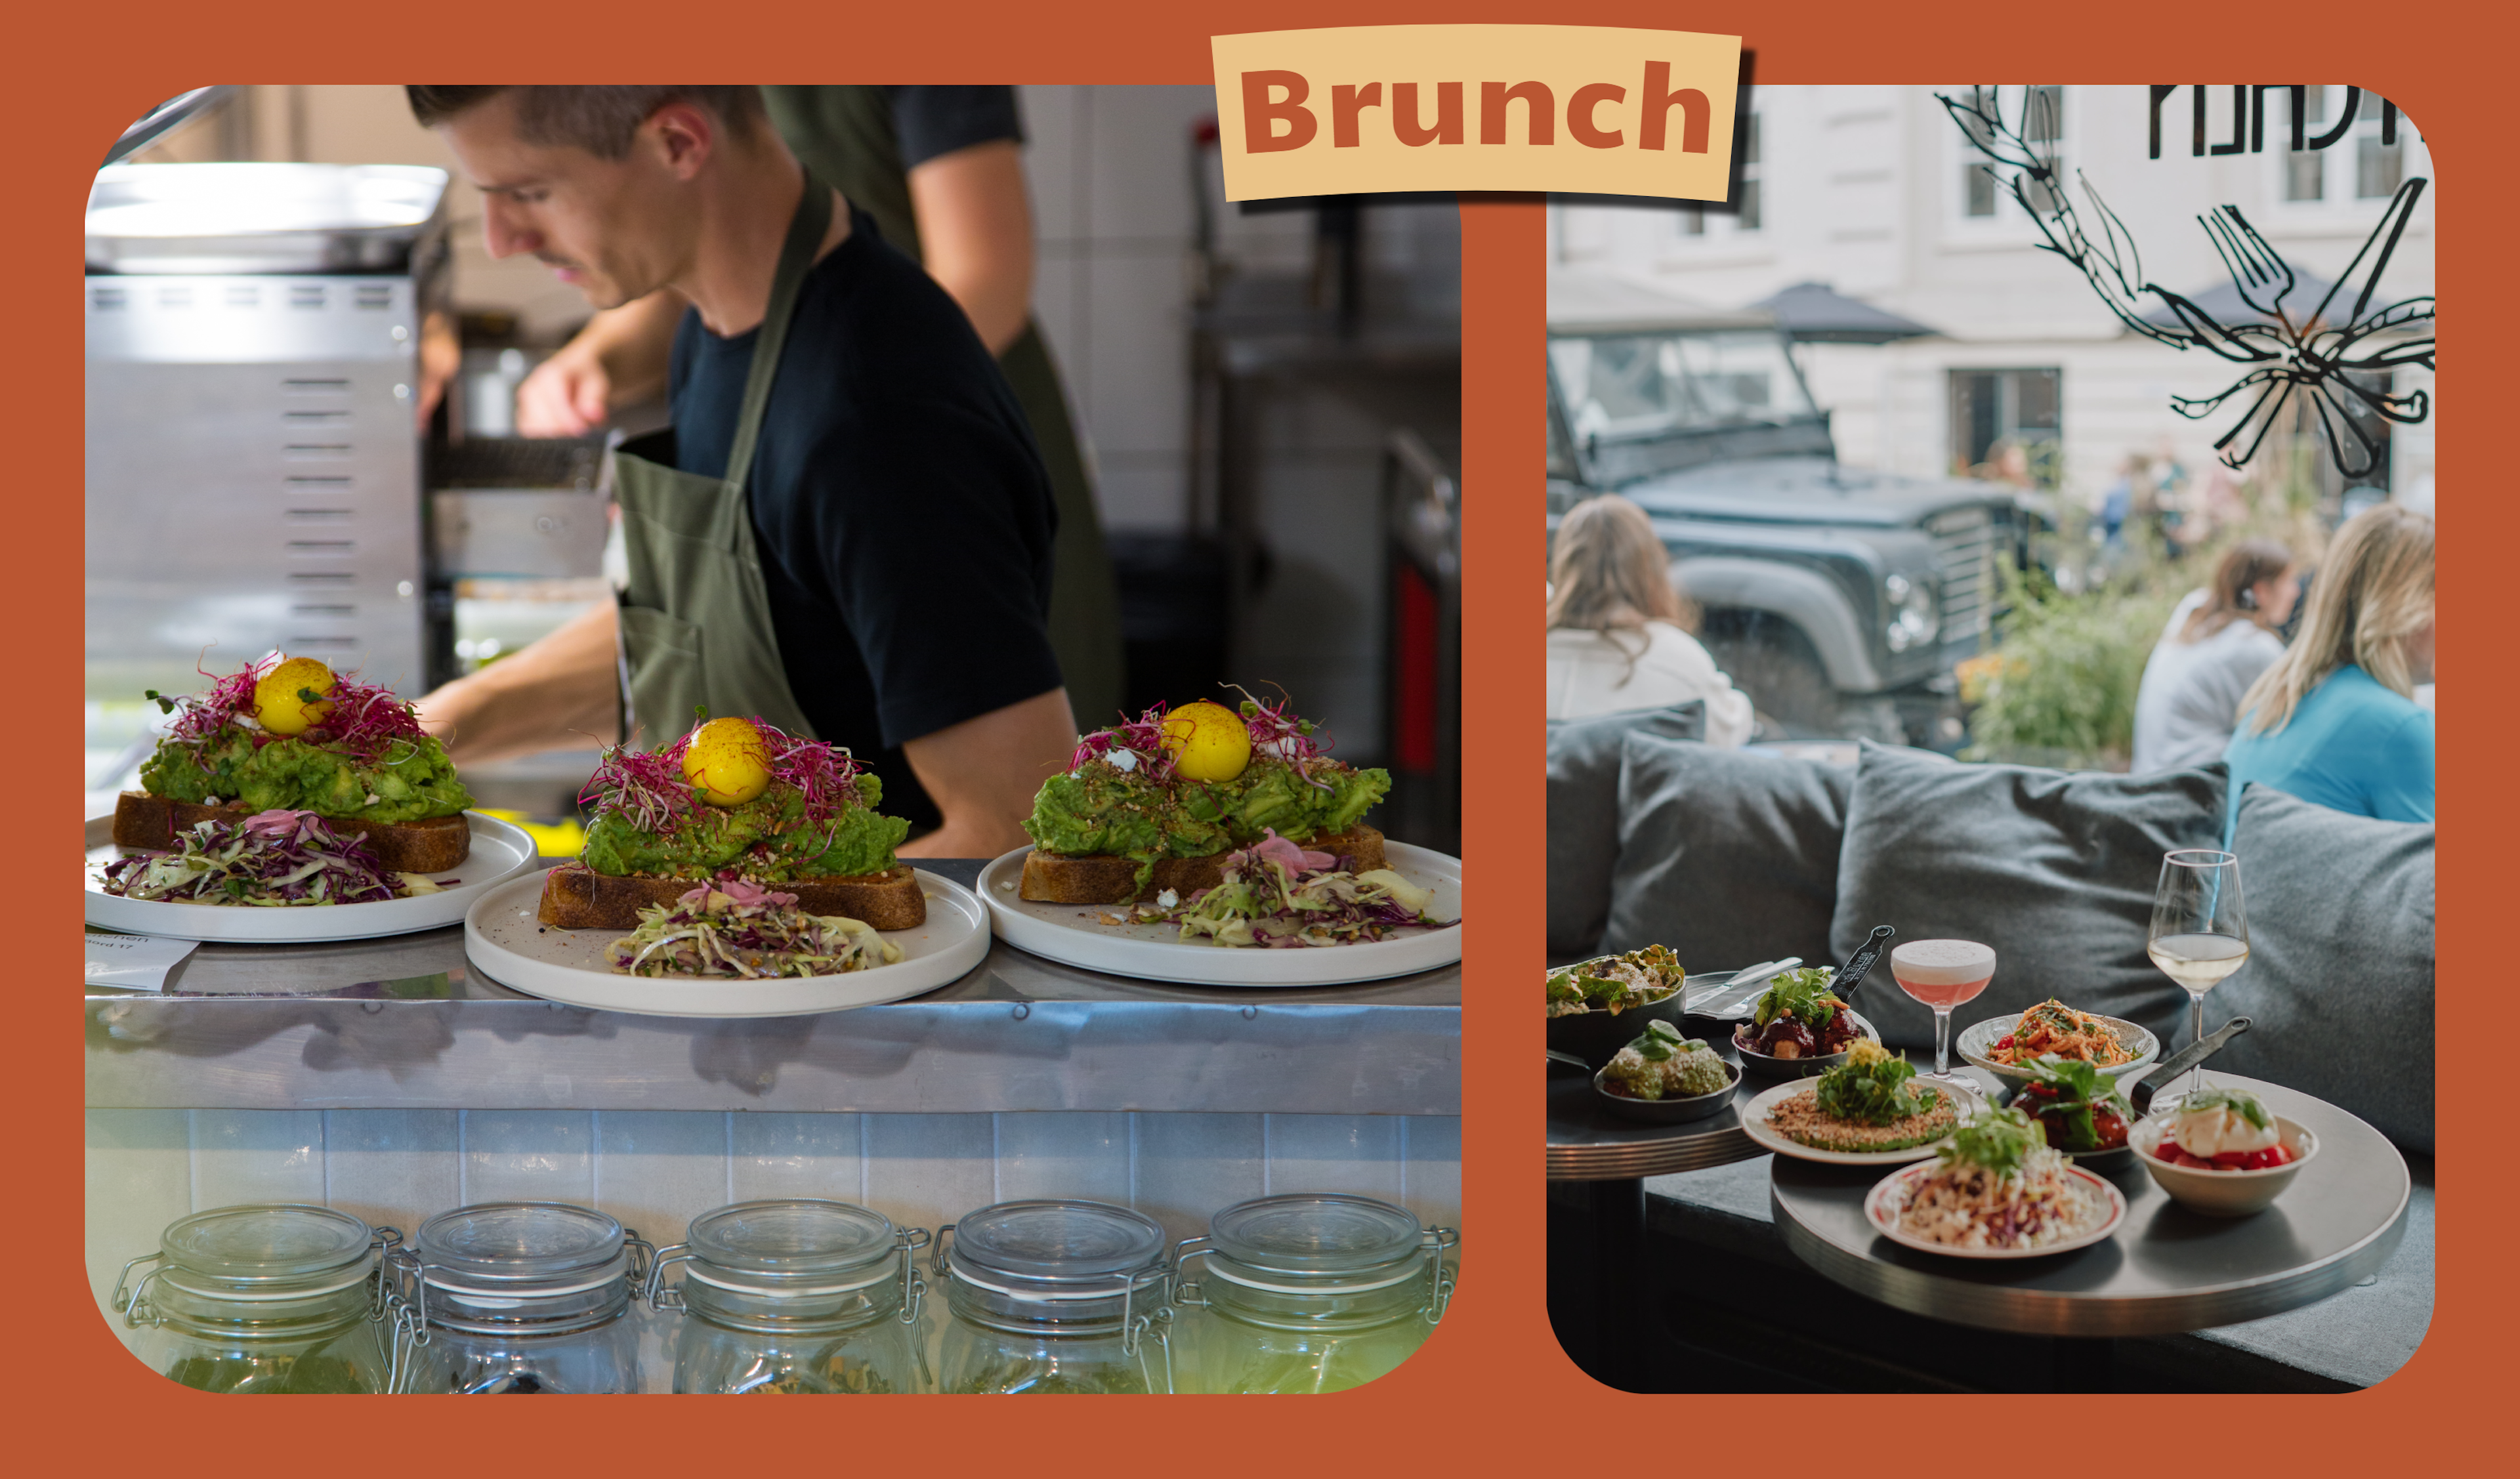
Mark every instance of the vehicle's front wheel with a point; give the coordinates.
(1769, 659)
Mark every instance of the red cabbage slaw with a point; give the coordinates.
(364, 717)
(1303, 898)
(1138, 744)
(649, 791)
(277, 857)
(734, 929)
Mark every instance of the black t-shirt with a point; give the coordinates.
(937, 120)
(903, 516)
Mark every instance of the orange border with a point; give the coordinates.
(1491, 1384)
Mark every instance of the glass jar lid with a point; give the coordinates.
(1315, 1243)
(795, 1247)
(520, 1248)
(267, 1246)
(1055, 1249)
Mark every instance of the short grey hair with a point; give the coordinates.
(601, 120)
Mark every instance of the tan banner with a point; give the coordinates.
(1530, 107)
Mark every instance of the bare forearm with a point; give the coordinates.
(561, 692)
(634, 343)
(983, 773)
(975, 234)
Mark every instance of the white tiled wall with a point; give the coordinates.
(655, 1170)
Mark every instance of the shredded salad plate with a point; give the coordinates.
(165, 892)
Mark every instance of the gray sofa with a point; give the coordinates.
(1732, 856)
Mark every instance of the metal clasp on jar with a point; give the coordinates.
(132, 1303)
(1438, 1242)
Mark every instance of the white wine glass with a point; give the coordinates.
(2200, 933)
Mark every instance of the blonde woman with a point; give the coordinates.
(2335, 721)
(1618, 632)
(2217, 643)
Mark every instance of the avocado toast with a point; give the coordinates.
(1157, 803)
(287, 733)
(736, 798)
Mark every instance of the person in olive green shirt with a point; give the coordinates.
(941, 171)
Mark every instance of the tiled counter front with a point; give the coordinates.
(654, 1169)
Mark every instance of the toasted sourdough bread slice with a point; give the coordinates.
(141, 820)
(1049, 879)
(577, 897)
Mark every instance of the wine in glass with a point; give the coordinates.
(2200, 934)
(1942, 974)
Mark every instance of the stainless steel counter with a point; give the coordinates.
(403, 1024)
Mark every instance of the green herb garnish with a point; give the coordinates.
(2079, 1088)
(2238, 1101)
(1587, 984)
(2000, 1140)
(1660, 1041)
(1802, 993)
(1874, 1093)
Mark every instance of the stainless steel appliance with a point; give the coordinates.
(253, 458)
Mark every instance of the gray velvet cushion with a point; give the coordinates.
(2055, 869)
(1584, 814)
(1729, 857)
(2339, 985)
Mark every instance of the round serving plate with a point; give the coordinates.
(1074, 934)
(1889, 1197)
(504, 942)
(2167, 1270)
(501, 851)
(1978, 1038)
(1754, 1123)
(1589, 1141)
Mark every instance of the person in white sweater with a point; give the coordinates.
(1619, 631)
(2216, 645)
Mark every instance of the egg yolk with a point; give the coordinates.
(280, 704)
(729, 761)
(1210, 741)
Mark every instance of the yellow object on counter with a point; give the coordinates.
(553, 840)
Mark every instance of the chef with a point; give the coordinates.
(846, 531)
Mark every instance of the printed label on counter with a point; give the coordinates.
(133, 962)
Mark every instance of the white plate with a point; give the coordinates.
(1883, 1203)
(501, 851)
(502, 940)
(1976, 1039)
(1754, 1123)
(1071, 934)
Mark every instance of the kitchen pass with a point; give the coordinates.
(133, 962)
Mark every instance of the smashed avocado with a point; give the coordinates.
(768, 837)
(411, 781)
(1102, 810)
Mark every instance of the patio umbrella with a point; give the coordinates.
(1818, 313)
(2223, 302)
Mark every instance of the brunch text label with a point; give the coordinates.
(1523, 107)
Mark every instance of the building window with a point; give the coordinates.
(2377, 167)
(1748, 219)
(2008, 426)
(2305, 172)
(1693, 218)
(2039, 118)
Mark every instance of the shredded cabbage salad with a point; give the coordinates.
(1276, 894)
(277, 857)
(734, 928)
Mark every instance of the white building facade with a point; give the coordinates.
(1875, 192)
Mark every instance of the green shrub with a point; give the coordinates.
(2060, 690)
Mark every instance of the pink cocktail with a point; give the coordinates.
(1942, 974)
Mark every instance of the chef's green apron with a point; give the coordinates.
(696, 626)
(846, 136)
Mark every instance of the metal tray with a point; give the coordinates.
(218, 219)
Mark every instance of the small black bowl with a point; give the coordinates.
(2106, 1162)
(1668, 1111)
(1787, 1068)
(1596, 1037)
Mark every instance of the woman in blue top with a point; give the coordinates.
(2335, 720)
